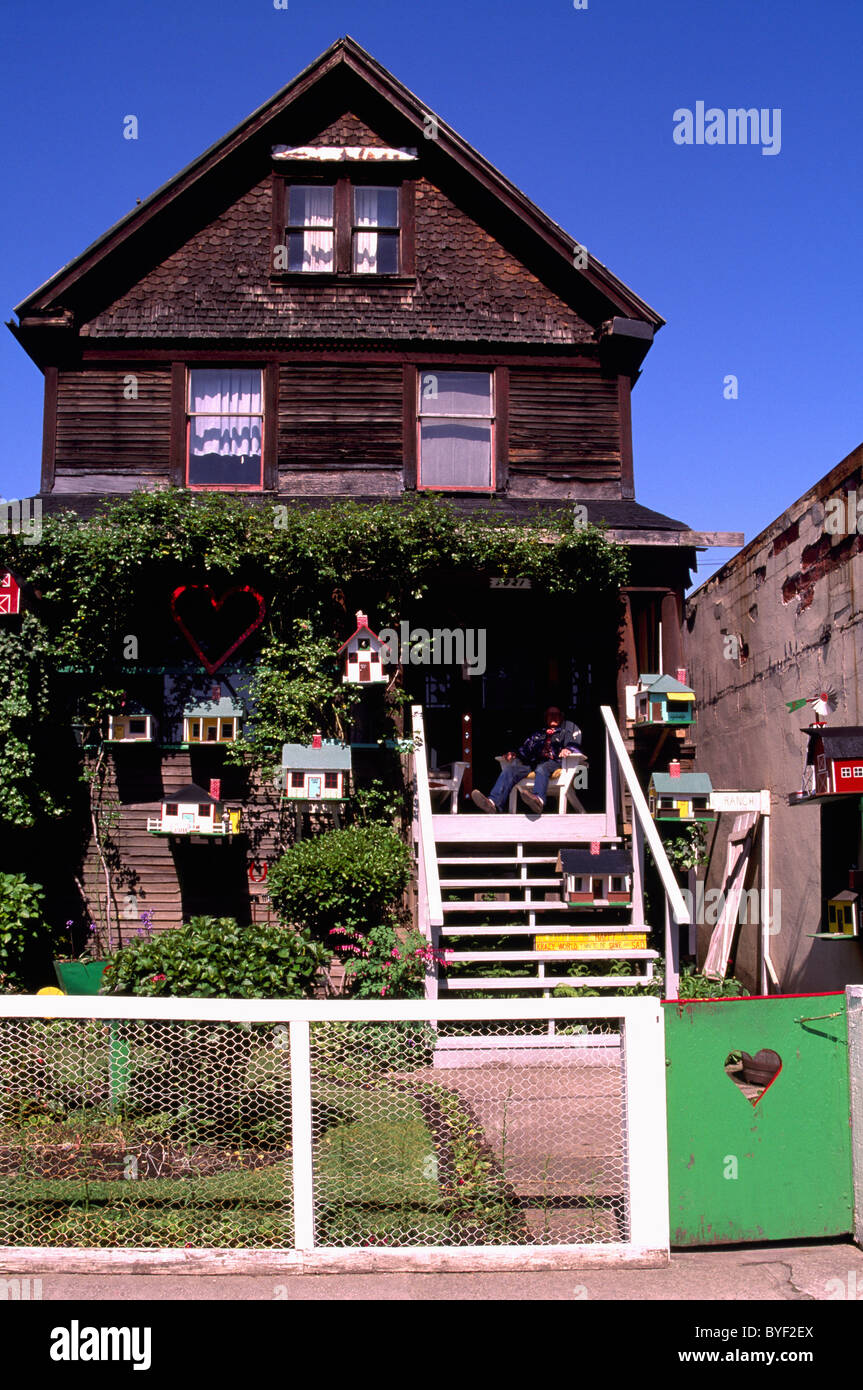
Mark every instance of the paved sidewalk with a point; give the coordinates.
(774, 1273)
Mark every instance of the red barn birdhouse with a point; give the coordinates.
(10, 594)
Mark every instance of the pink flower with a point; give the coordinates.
(395, 953)
(154, 979)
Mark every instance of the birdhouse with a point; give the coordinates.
(131, 724)
(662, 700)
(680, 796)
(191, 811)
(364, 655)
(213, 720)
(598, 876)
(10, 594)
(834, 761)
(843, 914)
(315, 772)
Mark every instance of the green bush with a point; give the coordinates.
(349, 878)
(21, 923)
(214, 958)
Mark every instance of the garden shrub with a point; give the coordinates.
(21, 923)
(342, 878)
(215, 958)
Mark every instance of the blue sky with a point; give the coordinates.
(753, 259)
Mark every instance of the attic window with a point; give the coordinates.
(375, 234)
(344, 224)
(311, 228)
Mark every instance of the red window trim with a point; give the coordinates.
(493, 420)
(265, 402)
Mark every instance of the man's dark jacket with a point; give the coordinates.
(566, 735)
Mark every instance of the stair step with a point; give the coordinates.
(499, 883)
(547, 929)
(550, 982)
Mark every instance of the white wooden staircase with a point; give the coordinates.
(491, 878)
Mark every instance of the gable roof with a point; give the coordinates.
(609, 861)
(667, 685)
(348, 60)
(190, 793)
(689, 783)
(361, 628)
(839, 742)
(330, 757)
(223, 708)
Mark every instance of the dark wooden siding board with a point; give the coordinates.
(349, 416)
(49, 429)
(178, 424)
(271, 427)
(99, 430)
(408, 219)
(501, 407)
(561, 418)
(409, 425)
(627, 473)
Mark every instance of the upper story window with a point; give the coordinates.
(344, 226)
(456, 430)
(225, 421)
(375, 230)
(311, 236)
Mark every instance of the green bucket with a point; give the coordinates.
(79, 976)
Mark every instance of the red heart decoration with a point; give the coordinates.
(204, 589)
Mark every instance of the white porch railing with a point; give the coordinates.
(332, 1135)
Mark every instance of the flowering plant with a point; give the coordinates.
(386, 964)
(66, 944)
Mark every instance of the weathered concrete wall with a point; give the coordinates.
(779, 622)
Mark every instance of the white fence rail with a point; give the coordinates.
(343, 1134)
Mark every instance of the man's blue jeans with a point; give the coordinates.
(514, 772)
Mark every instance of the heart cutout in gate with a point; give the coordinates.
(753, 1075)
(215, 628)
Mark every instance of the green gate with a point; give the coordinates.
(749, 1163)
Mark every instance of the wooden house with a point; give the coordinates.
(342, 299)
(596, 876)
(663, 700)
(191, 811)
(10, 594)
(364, 654)
(680, 796)
(315, 773)
(834, 761)
(216, 720)
(132, 723)
(843, 913)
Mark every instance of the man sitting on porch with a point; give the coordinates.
(541, 753)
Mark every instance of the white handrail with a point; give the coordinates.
(679, 910)
(429, 877)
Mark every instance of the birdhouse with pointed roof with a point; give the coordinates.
(10, 594)
(315, 772)
(680, 796)
(191, 811)
(596, 876)
(216, 719)
(664, 700)
(834, 761)
(131, 723)
(364, 654)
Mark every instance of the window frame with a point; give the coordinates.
(493, 372)
(189, 414)
(344, 177)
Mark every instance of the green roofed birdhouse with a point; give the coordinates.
(131, 724)
(191, 811)
(364, 655)
(213, 720)
(596, 876)
(680, 796)
(661, 700)
(315, 772)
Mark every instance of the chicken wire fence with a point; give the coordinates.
(358, 1127)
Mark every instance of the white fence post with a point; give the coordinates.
(301, 1135)
(646, 1134)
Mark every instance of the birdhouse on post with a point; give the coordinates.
(10, 595)
(834, 761)
(596, 877)
(315, 773)
(680, 796)
(662, 700)
(364, 653)
(131, 724)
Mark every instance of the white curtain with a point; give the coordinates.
(312, 207)
(366, 243)
(225, 404)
